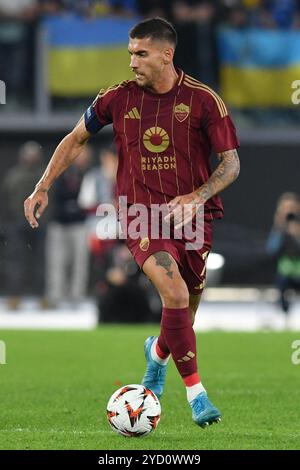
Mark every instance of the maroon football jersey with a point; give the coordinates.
(164, 141)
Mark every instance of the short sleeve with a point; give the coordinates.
(218, 125)
(99, 114)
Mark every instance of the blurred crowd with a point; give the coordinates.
(283, 245)
(68, 258)
(71, 255)
(264, 13)
(195, 20)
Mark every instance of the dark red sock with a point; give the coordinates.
(162, 349)
(179, 336)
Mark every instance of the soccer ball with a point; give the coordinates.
(133, 411)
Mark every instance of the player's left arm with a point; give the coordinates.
(226, 172)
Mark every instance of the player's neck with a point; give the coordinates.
(166, 82)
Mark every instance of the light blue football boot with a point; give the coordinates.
(155, 374)
(204, 412)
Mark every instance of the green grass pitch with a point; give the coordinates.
(55, 386)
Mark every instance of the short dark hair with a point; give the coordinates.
(288, 196)
(155, 28)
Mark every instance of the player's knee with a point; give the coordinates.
(176, 297)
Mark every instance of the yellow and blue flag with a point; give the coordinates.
(258, 66)
(86, 54)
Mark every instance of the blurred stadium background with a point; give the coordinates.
(55, 55)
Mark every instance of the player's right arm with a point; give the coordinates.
(98, 115)
(65, 154)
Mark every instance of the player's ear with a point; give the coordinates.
(168, 55)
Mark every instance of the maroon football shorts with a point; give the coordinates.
(191, 263)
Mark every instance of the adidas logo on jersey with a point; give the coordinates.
(133, 114)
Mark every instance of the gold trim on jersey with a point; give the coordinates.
(188, 140)
(133, 114)
(131, 172)
(104, 91)
(160, 182)
(192, 83)
(204, 257)
(140, 135)
(173, 143)
(180, 80)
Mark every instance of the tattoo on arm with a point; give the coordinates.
(164, 260)
(225, 173)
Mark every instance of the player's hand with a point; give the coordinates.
(35, 205)
(183, 209)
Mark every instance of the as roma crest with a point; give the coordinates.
(181, 112)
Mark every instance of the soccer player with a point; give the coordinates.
(166, 124)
